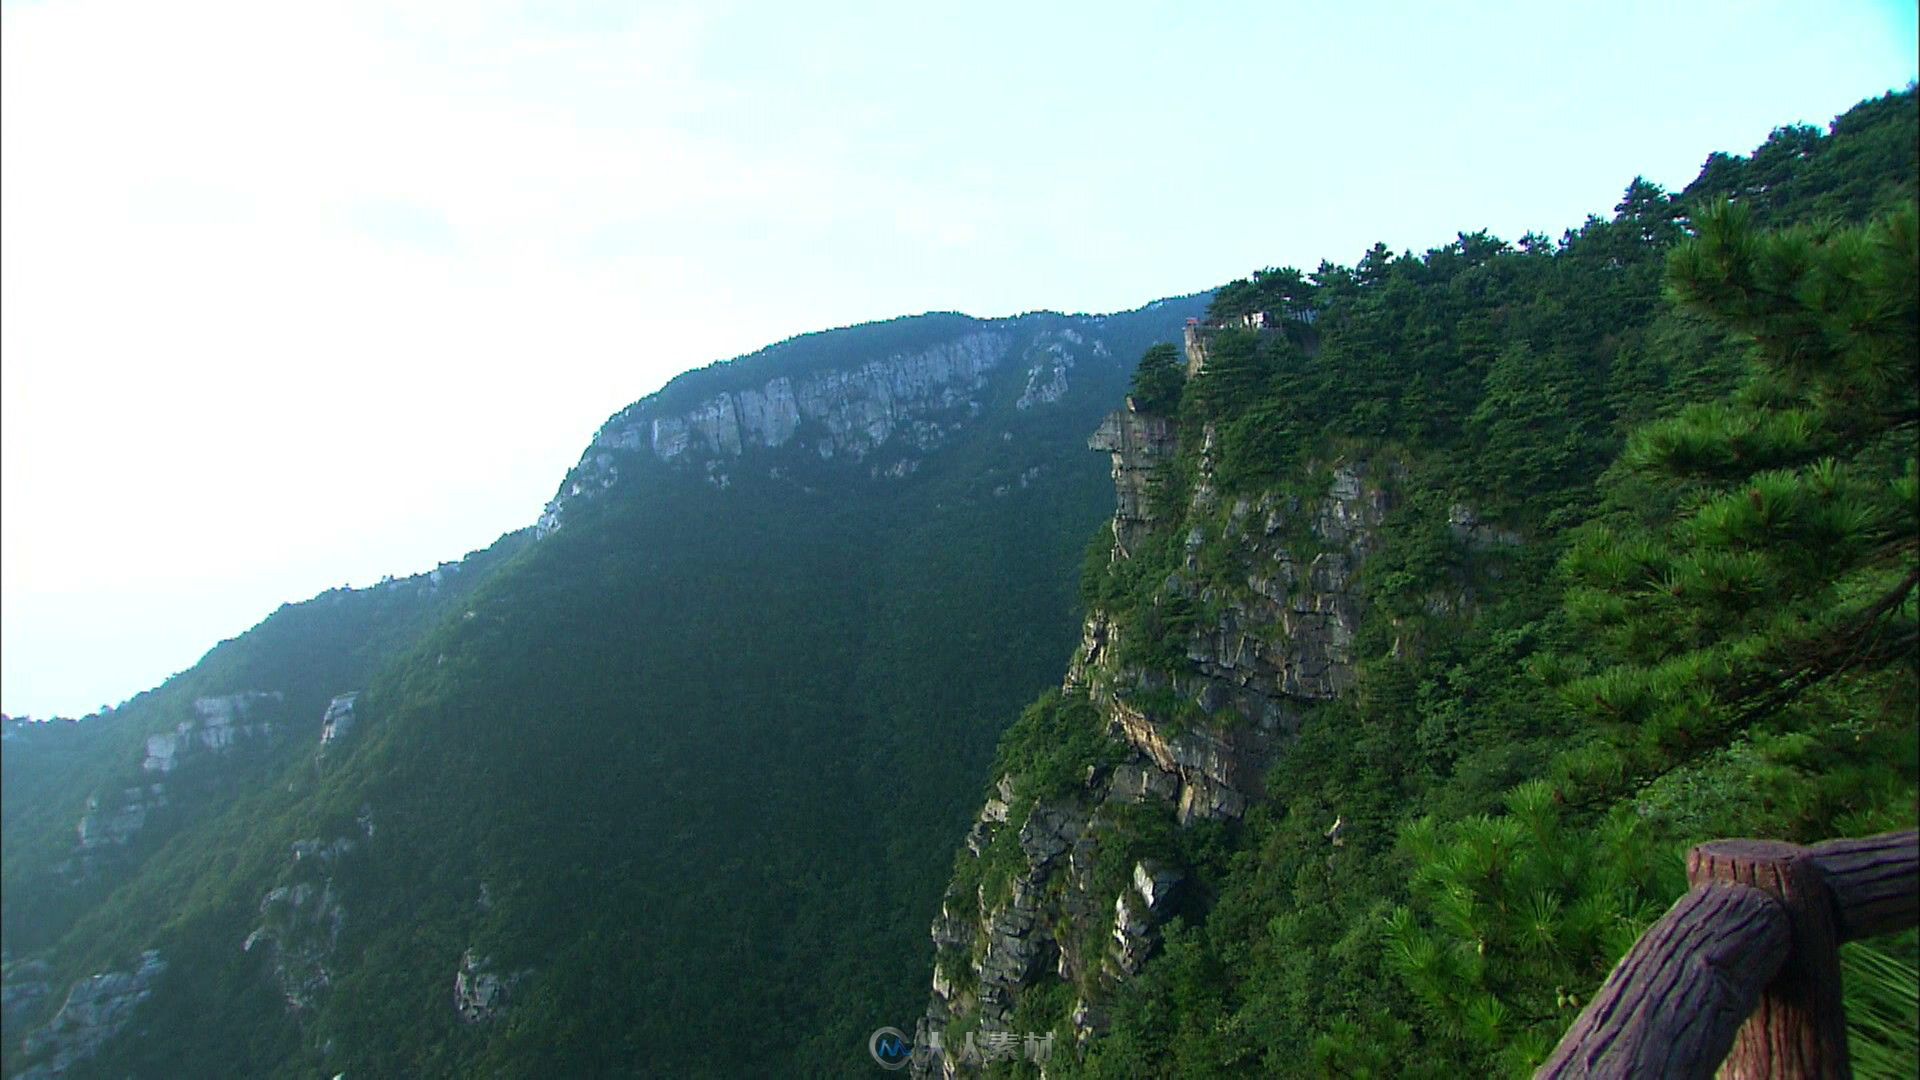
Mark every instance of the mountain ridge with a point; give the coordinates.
(313, 881)
(671, 782)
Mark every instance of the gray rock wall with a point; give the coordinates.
(911, 403)
(1280, 619)
(217, 723)
(97, 1008)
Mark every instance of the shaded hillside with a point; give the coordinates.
(676, 771)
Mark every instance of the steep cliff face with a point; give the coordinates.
(1072, 903)
(1275, 630)
(880, 417)
(1140, 443)
(218, 722)
(853, 410)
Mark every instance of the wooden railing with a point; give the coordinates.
(1745, 968)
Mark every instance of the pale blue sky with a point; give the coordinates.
(301, 295)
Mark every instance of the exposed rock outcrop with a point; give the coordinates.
(1005, 939)
(1135, 923)
(883, 415)
(840, 413)
(97, 1009)
(1051, 357)
(1280, 635)
(994, 943)
(1471, 532)
(339, 718)
(1140, 443)
(480, 995)
(114, 817)
(1196, 347)
(301, 919)
(113, 821)
(301, 926)
(1267, 613)
(217, 723)
(23, 985)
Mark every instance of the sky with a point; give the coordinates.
(297, 296)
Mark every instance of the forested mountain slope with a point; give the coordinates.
(120, 823)
(663, 789)
(1447, 599)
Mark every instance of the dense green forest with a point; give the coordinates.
(1595, 547)
(678, 774)
(1680, 605)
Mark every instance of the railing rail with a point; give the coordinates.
(1745, 968)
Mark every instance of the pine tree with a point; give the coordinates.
(1778, 552)
(1158, 380)
(1755, 583)
(1519, 916)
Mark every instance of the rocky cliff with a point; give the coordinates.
(217, 723)
(95, 1010)
(303, 915)
(881, 416)
(1064, 894)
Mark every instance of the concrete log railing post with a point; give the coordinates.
(1799, 1026)
(1745, 968)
